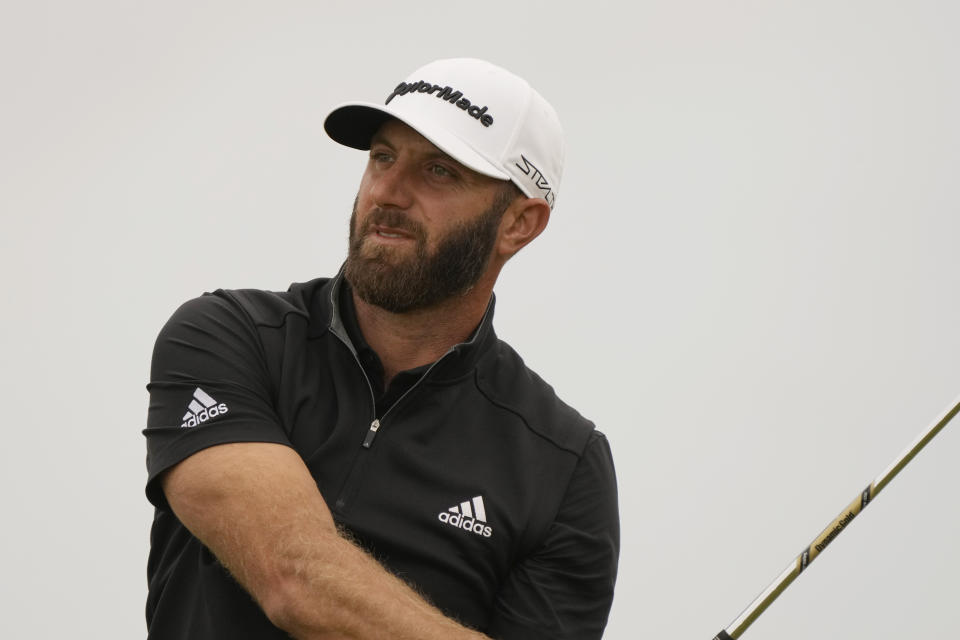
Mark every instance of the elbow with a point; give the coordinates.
(275, 608)
(288, 604)
(280, 598)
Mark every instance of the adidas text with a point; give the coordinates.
(205, 415)
(465, 523)
(444, 93)
(469, 515)
(202, 408)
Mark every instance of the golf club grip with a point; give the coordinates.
(723, 635)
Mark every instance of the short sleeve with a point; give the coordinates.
(564, 589)
(209, 385)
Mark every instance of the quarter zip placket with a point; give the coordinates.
(377, 422)
(356, 468)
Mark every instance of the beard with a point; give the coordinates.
(422, 279)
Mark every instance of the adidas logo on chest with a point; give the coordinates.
(469, 515)
(202, 408)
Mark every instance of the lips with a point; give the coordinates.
(391, 233)
(389, 229)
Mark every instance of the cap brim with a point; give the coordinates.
(353, 125)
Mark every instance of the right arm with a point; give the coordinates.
(238, 486)
(258, 509)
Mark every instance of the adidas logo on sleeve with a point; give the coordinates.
(469, 515)
(202, 408)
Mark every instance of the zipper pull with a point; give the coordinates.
(371, 434)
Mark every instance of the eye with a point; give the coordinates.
(441, 171)
(380, 155)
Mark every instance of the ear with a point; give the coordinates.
(523, 221)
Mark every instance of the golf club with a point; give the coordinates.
(736, 628)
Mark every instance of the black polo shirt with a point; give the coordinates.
(469, 478)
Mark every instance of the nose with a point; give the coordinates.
(390, 187)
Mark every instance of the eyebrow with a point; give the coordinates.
(434, 152)
(379, 138)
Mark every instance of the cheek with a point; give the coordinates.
(363, 191)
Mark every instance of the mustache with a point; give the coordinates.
(392, 218)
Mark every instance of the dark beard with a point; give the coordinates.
(424, 279)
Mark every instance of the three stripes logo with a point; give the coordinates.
(469, 515)
(202, 408)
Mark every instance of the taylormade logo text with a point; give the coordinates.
(444, 93)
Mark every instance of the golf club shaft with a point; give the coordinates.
(736, 628)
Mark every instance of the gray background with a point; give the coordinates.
(750, 280)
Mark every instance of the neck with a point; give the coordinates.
(415, 338)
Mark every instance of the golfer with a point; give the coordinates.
(360, 456)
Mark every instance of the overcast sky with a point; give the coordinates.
(750, 281)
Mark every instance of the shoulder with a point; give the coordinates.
(233, 327)
(504, 378)
(255, 307)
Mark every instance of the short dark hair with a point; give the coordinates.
(508, 192)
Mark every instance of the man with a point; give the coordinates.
(361, 457)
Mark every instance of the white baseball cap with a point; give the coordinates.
(479, 114)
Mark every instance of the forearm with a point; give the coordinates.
(339, 591)
(258, 509)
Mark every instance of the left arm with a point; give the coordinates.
(564, 589)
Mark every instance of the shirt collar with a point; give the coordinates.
(342, 322)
